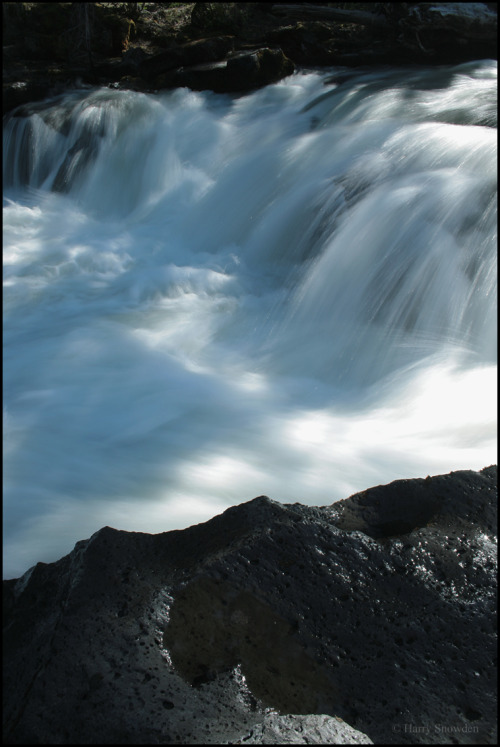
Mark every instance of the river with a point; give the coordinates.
(210, 297)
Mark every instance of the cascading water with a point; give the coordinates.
(211, 297)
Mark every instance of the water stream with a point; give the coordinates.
(210, 297)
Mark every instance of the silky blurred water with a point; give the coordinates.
(210, 297)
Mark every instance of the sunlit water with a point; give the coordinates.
(209, 298)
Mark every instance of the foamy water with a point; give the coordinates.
(209, 298)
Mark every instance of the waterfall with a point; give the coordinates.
(211, 297)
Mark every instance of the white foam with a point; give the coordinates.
(284, 293)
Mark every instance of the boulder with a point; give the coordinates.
(240, 72)
(271, 623)
(192, 53)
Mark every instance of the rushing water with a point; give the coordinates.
(212, 297)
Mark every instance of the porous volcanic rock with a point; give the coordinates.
(275, 729)
(270, 623)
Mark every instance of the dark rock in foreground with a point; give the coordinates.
(378, 610)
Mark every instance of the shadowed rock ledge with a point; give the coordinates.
(225, 47)
(269, 624)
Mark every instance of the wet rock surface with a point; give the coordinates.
(271, 622)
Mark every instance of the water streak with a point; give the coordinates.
(211, 297)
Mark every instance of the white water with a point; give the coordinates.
(208, 298)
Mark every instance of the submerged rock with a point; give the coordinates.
(270, 623)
